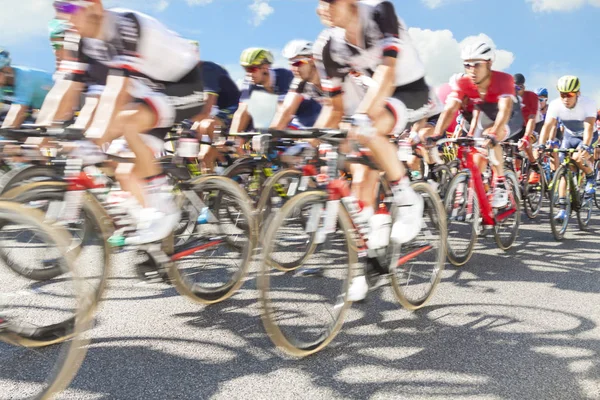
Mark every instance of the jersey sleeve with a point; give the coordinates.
(387, 21)
(211, 77)
(75, 63)
(130, 33)
(331, 72)
(530, 106)
(245, 91)
(506, 87)
(552, 110)
(284, 82)
(458, 91)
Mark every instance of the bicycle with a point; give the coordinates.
(331, 216)
(34, 335)
(467, 202)
(576, 200)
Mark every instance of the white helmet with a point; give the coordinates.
(478, 50)
(297, 48)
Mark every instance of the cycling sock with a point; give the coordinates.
(589, 177)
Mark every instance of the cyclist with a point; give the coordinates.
(529, 107)
(578, 115)
(57, 29)
(493, 94)
(368, 40)
(155, 81)
(23, 88)
(260, 76)
(302, 103)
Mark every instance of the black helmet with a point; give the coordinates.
(519, 79)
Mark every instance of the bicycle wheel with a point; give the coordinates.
(276, 190)
(302, 314)
(443, 176)
(31, 320)
(533, 193)
(584, 212)
(210, 267)
(506, 228)
(462, 210)
(559, 227)
(597, 177)
(416, 267)
(28, 174)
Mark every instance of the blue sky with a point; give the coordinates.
(543, 39)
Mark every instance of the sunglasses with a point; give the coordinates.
(300, 62)
(328, 1)
(68, 7)
(251, 69)
(569, 95)
(473, 64)
(542, 99)
(57, 45)
(518, 87)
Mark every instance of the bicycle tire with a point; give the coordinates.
(513, 182)
(437, 214)
(533, 208)
(17, 177)
(218, 294)
(264, 203)
(63, 372)
(559, 232)
(291, 345)
(462, 178)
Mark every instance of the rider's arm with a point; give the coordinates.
(548, 128)
(211, 101)
(286, 112)
(452, 106)
(61, 101)
(530, 112)
(241, 119)
(15, 117)
(505, 105)
(332, 113)
(588, 130)
(114, 97)
(474, 122)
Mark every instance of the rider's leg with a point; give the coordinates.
(497, 159)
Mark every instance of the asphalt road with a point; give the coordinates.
(521, 324)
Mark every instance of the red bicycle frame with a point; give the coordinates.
(466, 157)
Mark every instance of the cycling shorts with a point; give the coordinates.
(225, 115)
(411, 103)
(171, 102)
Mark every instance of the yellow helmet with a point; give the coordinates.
(256, 56)
(568, 84)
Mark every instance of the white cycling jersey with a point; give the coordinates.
(137, 43)
(383, 34)
(573, 118)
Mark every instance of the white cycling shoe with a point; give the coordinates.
(409, 214)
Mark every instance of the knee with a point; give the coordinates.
(206, 127)
(123, 171)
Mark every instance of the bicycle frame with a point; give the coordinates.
(466, 156)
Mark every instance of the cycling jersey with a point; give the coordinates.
(30, 88)
(310, 108)
(281, 80)
(163, 66)
(382, 34)
(573, 118)
(218, 82)
(502, 85)
(529, 106)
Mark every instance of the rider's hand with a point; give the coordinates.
(492, 139)
(585, 150)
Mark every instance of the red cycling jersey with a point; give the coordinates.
(502, 85)
(529, 106)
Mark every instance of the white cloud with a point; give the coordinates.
(547, 75)
(440, 51)
(261, 9)
(560, 5)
